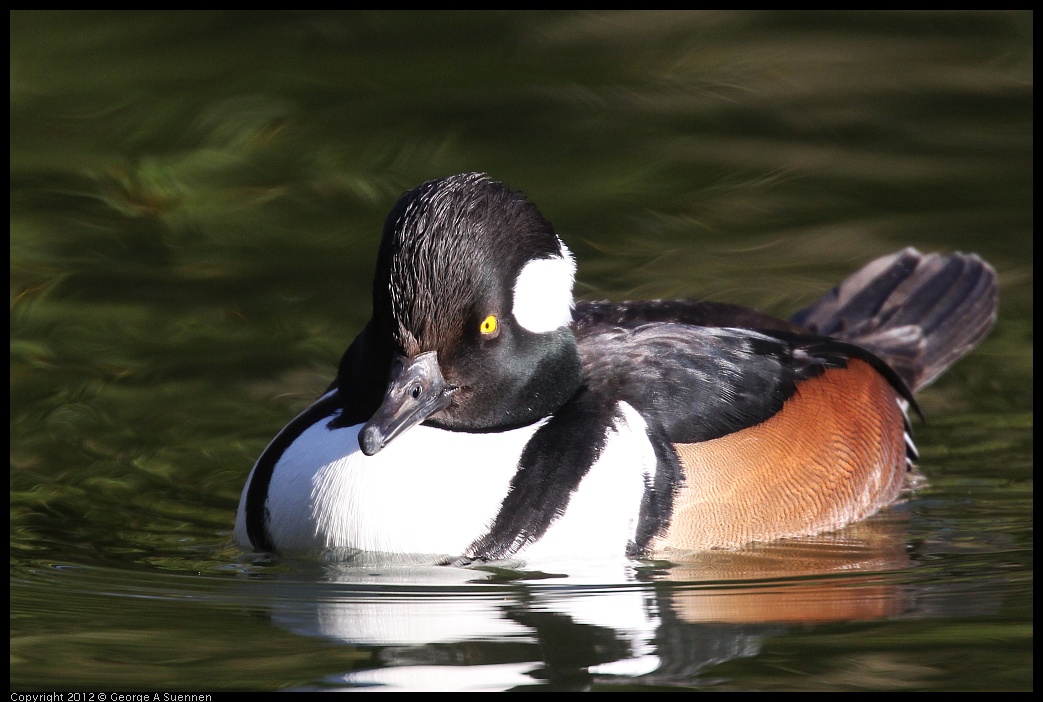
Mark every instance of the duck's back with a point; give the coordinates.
(778, 429)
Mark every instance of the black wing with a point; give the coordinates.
(700, 383)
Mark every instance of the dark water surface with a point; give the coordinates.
(196, 200)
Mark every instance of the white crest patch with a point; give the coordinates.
(543, 293)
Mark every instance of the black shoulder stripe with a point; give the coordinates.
(657, 503)
(257, 493)
(552, 465)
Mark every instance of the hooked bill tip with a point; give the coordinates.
(370, 440)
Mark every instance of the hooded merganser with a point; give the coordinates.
(483, 414)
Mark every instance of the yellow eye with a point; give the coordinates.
(489, 324)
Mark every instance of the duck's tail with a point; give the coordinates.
(918, 312)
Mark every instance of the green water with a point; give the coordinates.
(196, 200)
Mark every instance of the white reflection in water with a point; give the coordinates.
(484, 628)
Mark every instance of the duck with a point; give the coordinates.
(483, 414)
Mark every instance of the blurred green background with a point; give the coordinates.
(196, 200)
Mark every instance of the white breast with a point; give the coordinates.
(428, 492)
(433, 493)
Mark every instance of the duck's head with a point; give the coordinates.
(472, 305)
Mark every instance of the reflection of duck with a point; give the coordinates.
(434, 628)
(796, 581)
(481, 414)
